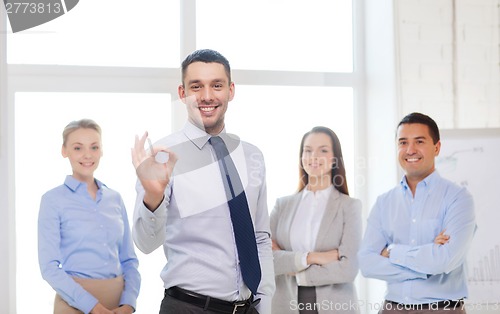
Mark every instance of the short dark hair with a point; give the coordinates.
(416, 117)
(207, 56)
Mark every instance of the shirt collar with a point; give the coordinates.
(427, 181)
(74, 184)
(196, 135)
(323, 194)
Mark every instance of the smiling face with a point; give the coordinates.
(83, 149)
(318, 158)
(416, 151)
(206, 91)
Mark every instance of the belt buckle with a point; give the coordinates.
(238, 305)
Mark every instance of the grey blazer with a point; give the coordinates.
(340, 229)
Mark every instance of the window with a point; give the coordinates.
(279, 35)
(104, 33)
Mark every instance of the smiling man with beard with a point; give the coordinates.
(418, 234)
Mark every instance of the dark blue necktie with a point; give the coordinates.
(240, 216)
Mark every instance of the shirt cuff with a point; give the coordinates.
(397, 254)
(88, 302)
(300, 277)
(160, 211)
(304, 260)
(301, 261)
(128, 299)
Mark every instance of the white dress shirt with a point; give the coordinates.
(198, 240)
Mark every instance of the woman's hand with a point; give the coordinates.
(322, 258)
(124, 309)
(276, 247)
(100, 309)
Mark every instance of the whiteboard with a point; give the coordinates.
(471, 158)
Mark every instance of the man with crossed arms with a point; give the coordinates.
(418, 234)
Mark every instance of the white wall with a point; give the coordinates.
(7, 262)
(448, 53)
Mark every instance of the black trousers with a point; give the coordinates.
(170, 305)
(307, 300)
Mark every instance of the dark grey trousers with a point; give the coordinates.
(306, 299)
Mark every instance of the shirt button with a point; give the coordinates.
(153, 220)
(413, 241)
(414, 220)
(152, 236)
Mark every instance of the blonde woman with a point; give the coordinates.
(316, 233)
(85, 248)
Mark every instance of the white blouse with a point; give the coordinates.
(305, 225)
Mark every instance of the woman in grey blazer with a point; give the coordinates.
(316, 234)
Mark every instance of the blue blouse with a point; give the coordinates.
(86, 238)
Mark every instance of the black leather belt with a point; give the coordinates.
(441, 305)
(209, 303)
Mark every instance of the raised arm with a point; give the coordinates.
(150, 208)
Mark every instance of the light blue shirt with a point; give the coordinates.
(419, 271)
(86, 238)
(198, 238)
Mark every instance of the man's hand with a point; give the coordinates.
(322, 258)
(385, 252)
(442, 238)
(154, 176)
